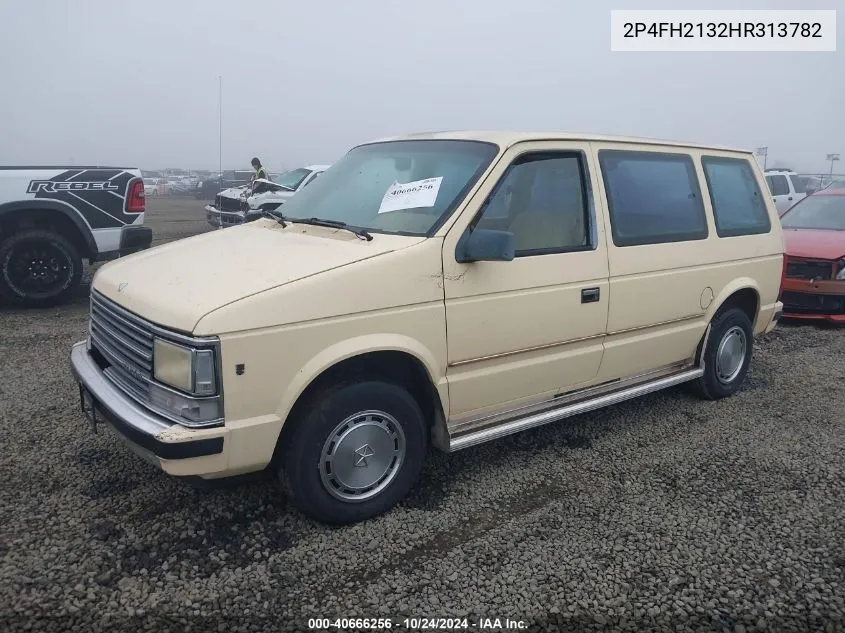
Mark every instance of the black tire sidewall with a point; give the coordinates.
(7, 291)
(303, 448)
(721, 324)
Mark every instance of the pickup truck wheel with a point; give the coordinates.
(38, 268)
(727, 355)
(355, 451)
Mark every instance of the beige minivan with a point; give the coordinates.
(440, 289)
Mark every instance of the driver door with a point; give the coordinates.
(521, 331)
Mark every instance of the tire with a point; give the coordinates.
(727, 355)
(38, 268)
(354, 452)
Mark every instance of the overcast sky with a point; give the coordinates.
(99, 81)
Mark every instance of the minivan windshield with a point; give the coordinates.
(404, 187)
(820, 212)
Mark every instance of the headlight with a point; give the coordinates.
(186, 369)
(840, 267)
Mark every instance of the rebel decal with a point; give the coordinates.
(36, 186)
(98, 194)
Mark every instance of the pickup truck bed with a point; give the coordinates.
(51, 218)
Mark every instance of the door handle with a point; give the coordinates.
(589, 295)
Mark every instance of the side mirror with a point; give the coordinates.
(485, 245)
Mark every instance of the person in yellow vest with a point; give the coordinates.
(260, 172)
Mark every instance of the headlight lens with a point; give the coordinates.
(184, 368)
(172, 365)
(840, 266)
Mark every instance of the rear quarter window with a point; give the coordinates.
(652, 197)
(798, 184)
(738, 204)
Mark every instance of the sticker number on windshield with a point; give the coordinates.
(411, 195)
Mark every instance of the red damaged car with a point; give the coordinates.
(814, 275)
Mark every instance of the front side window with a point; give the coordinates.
(313, 178)
(738, 205)
(541, 200)
(404, 187)
(820, 212)
(652, 198)
(778, 185)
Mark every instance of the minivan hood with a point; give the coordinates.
(177, 284)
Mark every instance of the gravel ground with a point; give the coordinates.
(663, 514)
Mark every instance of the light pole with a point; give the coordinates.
(832, 158)
(220, 135)
(764, 152)
(220, 123)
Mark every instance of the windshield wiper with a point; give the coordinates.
(335, 224)
(278, 217)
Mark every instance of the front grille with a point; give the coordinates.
(224, 203)
(810, 303)
(808, 269)
(126, 342)
(122, 344)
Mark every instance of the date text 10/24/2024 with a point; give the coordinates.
(417, 624)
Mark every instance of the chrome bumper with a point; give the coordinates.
(143, 430)
(218, 218)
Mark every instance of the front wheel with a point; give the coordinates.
(727, 355)
(354, 452)
(38, 268)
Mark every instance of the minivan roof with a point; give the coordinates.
(505, 139)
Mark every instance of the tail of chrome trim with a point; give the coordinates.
(539, 419)
(699, 354)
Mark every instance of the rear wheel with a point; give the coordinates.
(354, 452)
(727, 355)
(38, 268)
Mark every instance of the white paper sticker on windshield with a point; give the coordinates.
(411, 195)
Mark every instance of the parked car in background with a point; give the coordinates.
(241, 204)
(184, 185)
(814, 277)
(571, 272)
(153, 187)
(786, 186)
(51, 218)
(279, 189)
(209, 188)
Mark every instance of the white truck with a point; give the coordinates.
(786, 187)
(249, 202)
(51, 218)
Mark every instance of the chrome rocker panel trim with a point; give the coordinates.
(472, 432)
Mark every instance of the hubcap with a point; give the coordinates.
(730, 355)
(362, 455)
(37, 268)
